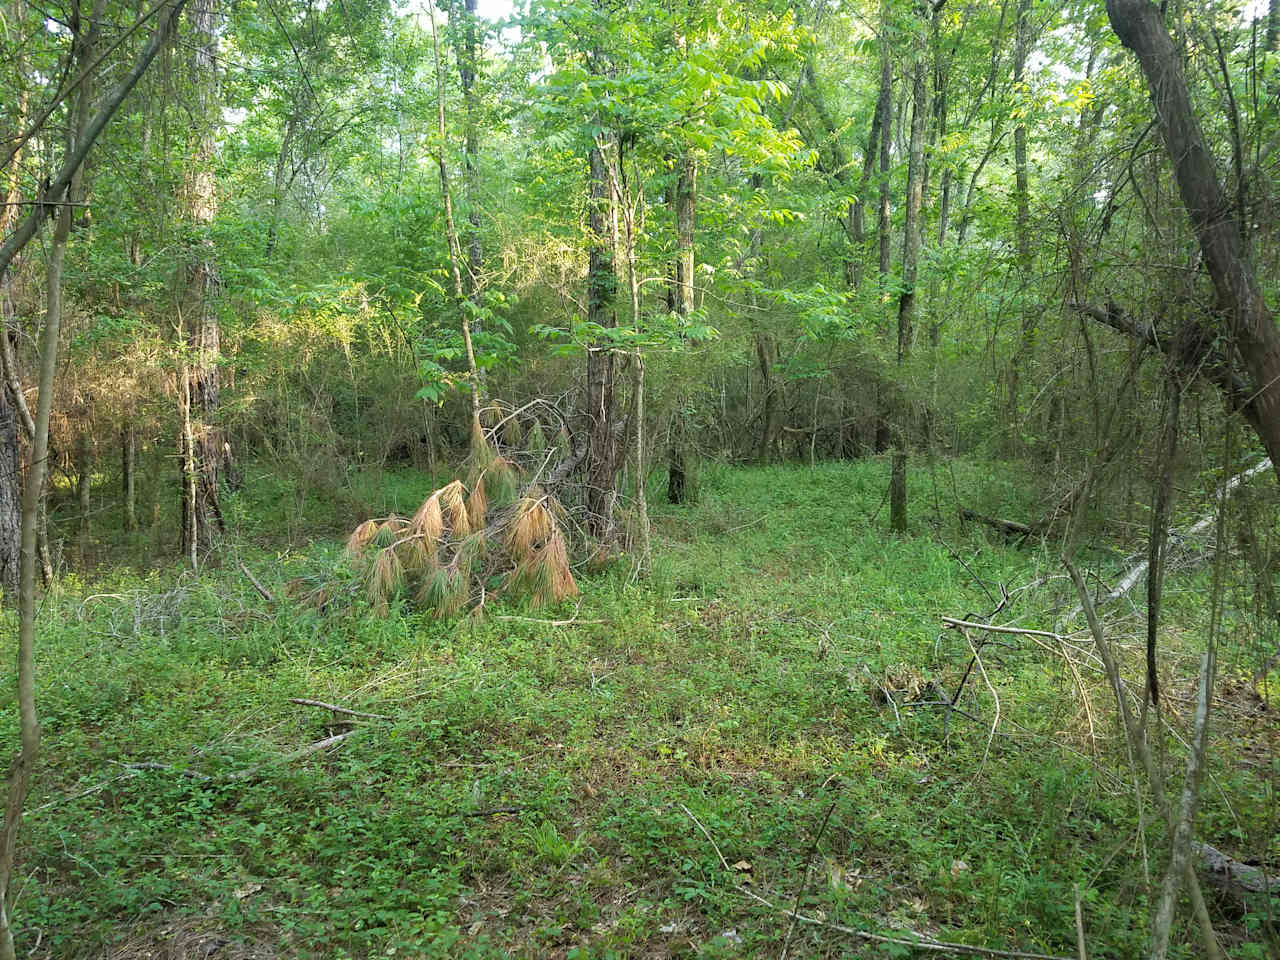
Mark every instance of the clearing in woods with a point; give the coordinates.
(629, 776)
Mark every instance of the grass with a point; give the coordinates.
(528, 796)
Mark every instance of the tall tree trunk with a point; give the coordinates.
(886, 138)
(10, 447)
(33, 498)
(467, 72)
(857, 210)
(766, 354)
(20, 772)
(686, 194)
(128, 474)
(84, 489)
(455, 248)
(208, 453)
(10, 494)
(907, 300)
(1250, 326)
(631, 201)
(602, 458)
(1022, 215)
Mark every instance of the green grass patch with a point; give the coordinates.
(533, 790)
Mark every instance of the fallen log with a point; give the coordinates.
(1201, 526)
(1228, 871)
(1009, 528)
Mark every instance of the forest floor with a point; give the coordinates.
(632, 776)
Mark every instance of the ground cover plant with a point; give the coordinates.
(627, 774)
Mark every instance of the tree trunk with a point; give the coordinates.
(886, 137)
(602, 454)
(207, 453)
(1250, 328)
(33, 498)
(766, 355)
(10, 494)
(467, 42)
(857, 210)
(630, 202)
(84, 477)
(455, 248)
(686, 193)
(1022, 214)
(10, 473)
(907, 300)
(128, 462)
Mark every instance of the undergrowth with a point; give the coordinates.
(539, 782)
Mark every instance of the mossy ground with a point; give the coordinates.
(534, 791)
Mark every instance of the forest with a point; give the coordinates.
(654, 479)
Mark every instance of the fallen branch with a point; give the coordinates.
(956, 623)
(934, 946)
(1136, 739)
(337, 709)
(931, 946)
(1136, 573)
(1228, 871)
(491, 811)
(153, 765)
(1009, 528)
(240, 775)
(262, 591)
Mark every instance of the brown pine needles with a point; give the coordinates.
(457, 541)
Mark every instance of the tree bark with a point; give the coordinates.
(907, 300)
(10, 494)
(455, 248)
(1022, 215)
(1251, 330)
(33, 496)
(207, 453)
(84, 489)
(11, 403)
(886, 137)
(128, 476)
(602, 283)
(686, 194)
(467, 43)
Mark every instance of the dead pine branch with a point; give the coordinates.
(337, 709)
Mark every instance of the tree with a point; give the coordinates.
(204, 450)
(910, 265)
(1249, 328)
(52, 198)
